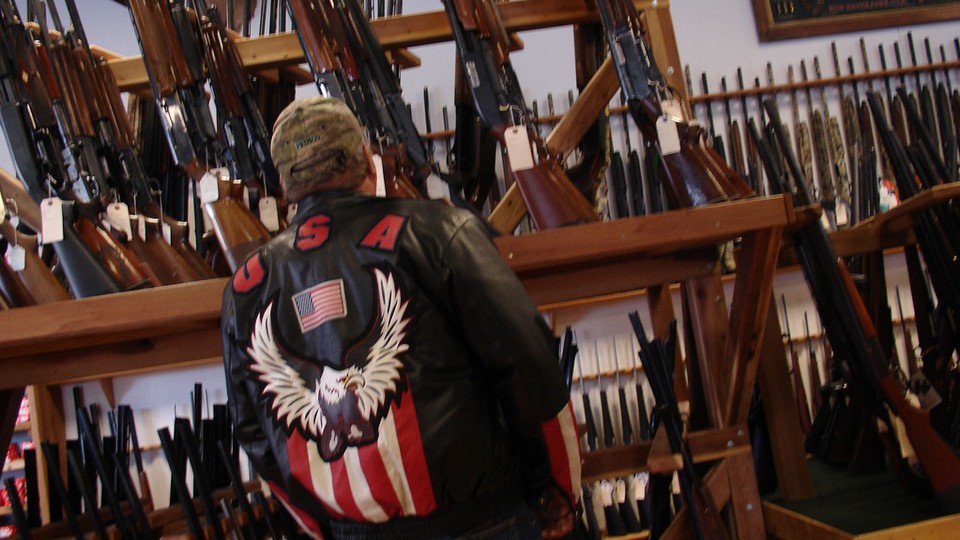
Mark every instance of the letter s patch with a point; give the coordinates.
(313, 233)
(250, 275)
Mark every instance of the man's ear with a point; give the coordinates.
(369, 184)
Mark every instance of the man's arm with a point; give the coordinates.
(517, 349)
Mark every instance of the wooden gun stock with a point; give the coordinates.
(152, 24)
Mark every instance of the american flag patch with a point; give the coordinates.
(319, 304)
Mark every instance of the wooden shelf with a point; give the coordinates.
(179, 325)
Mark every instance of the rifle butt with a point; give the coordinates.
(552, 200)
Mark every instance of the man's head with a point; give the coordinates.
(318, 145)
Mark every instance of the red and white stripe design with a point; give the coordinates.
(562, 439)
(374, 482)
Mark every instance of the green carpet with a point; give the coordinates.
(862, 503)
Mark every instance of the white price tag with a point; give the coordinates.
(269, 214)
(843, 214)
(165, 232)
(640, 481)
(675, 484)
(118, 216)
(208, 188)
(291, 212)
(381, 183)
(606, 493)
(437, 188)
(51, 220)
(142, 228)
(668, 135)
(671, 109)
(16, 257)
(518, 148)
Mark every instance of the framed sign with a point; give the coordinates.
(786, 19)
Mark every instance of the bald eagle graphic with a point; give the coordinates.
(343, 406)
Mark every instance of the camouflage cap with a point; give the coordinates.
(313, 140)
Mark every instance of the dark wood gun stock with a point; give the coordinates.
(239, 233)
(35, 283)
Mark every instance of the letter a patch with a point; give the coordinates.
(319, 304)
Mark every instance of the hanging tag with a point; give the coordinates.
(16, 257)
(291, 212)
(209, 190)
(269, 214)
(14, 221)
(118, 216)
(640, 481)
(675, 484)
(51, 220)
(671, 109)
(668, 135)
(437, 188)
(165, 232)
(518, 148)
(142, 228)
(606, 493)
(381, 183)
(620, 492)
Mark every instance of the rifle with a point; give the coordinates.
(733, 133)
(52, 456)
(188, 129)
(635, 180)
(179, 484)
(656, 357)
(752, 173)
(853, 338)
(851, 134)
(801, 135)
(795, 374)
(245, 131)
(16, 507)
(827, 194)
(715, 141)
(483, 46)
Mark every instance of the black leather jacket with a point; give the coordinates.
(383, 361)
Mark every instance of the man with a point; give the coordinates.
(387, 373)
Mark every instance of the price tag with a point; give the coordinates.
(671, 109)
(923, 394)
(208, 188)
(118, 216)
(16, 257)
(291, 212)
(269, 214)
(668, 135)
(142, 228)
(518, 148)
(51, 220)
(843, 214)
(165, 232)
(381, 183)
(640, 481)
(675, 484)
(437, 188)
(606, 493)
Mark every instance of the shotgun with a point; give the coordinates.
(715, 140)
(483, 46)
(185, 116)
(802, 134)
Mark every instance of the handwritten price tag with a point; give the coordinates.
(269, 214)
(668, 135)
(518, 148)
(51, 220)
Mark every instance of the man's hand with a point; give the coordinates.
(556, 514)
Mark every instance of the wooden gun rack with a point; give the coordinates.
(107, 336)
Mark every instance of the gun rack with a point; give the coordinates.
(107, 336)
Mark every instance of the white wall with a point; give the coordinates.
(714, 37)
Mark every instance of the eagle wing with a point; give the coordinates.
(382, 371)
(292, 400)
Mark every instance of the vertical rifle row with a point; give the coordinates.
(99, 483)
